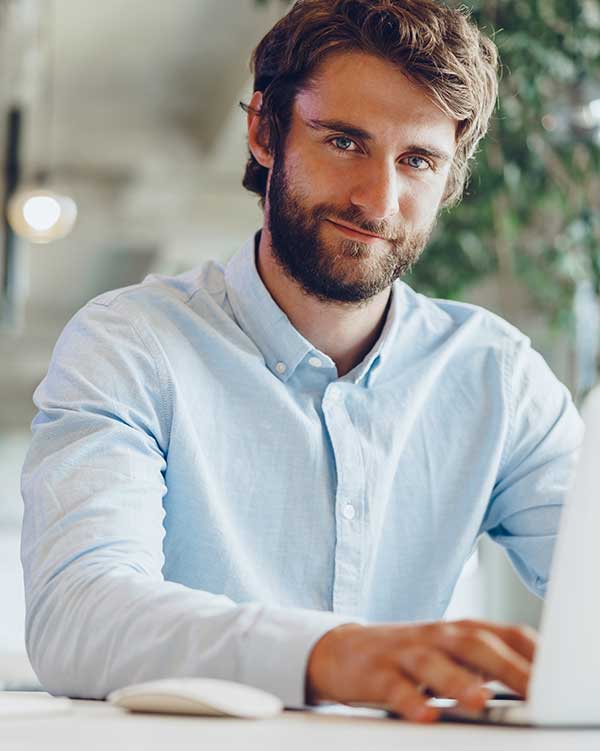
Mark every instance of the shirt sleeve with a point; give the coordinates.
(99, 614)
(542, 447)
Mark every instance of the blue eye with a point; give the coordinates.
(423, 161)
(344, 139)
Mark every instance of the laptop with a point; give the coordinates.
(564, 688)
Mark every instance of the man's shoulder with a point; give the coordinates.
(452, 316)
(158, 291)
(161, 308)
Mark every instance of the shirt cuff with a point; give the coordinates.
(275, 649)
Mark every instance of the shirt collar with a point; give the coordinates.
(283, 346)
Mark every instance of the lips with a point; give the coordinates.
(357, 231)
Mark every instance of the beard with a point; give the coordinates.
(342, 270)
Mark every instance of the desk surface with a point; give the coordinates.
(97, 725)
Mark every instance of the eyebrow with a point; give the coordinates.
(364, 135)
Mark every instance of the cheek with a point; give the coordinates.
(423, 201)
(320, 184)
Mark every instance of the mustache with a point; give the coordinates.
(355, 217)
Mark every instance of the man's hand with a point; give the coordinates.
(391, 664)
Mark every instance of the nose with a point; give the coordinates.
(377, 191)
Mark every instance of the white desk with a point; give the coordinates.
(97, 725)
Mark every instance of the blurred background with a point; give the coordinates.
(123, 148)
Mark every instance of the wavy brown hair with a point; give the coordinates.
(437, 47)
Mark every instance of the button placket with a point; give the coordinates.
(349, 501)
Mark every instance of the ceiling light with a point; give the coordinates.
(40, 211)
(41, 215)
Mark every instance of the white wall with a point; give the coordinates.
(12, 452)
(14, 665)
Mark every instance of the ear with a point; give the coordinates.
(256, 128)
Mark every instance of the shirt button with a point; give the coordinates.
(349, 511)
(315, 362)
(281, 367)
(334, 394)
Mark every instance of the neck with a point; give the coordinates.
(346, 333)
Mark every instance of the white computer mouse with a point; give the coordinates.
(198, 696)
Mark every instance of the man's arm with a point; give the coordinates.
(538, 463)
(99, 613)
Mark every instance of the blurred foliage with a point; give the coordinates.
(532, 207)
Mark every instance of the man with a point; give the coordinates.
(274, 472)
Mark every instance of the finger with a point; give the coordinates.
(438, 672)
(404, 698)
(389, 688)
(482, 650)
(523, 639)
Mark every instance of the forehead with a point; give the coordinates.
(376, 95)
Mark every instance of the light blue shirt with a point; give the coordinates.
(205, 497)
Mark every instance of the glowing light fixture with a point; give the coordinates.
(39, 211)
(41, 215)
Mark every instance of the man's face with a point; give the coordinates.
(366, 148)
